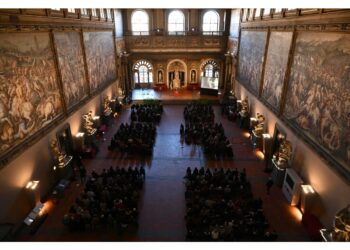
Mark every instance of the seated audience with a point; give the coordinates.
(210, 136)
(134, 138)
(198, 113)
(221, 207)
(146, 112)
(109, 199)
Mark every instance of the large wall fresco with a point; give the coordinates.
(71, 63)
(251, 58)
(275, 68)
(100, 57)
(318, 97)
(29, 92)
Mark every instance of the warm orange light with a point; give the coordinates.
(296, 213)
(48, 206)
(246, 134)
(260, 154)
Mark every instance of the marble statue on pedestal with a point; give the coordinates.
(176, 80)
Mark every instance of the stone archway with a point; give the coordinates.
(176, 66)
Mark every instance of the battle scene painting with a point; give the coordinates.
(251, 58)
(29, 92)
(275, 68)
(71, 64)
(318, 97)
(99, 48)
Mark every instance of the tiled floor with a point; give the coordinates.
(162, 205)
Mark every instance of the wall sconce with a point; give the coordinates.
(32, 185)
(79, 135)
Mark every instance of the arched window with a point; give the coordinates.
(257, 12)
(102, 14)
(143, 72)
(84, 12)
(109, 16)
(176, 23)
(139, 23)
(211, 21)
(267, 12)
(209, 70)
(278, 10)
(94, 12)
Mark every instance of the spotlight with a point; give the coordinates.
(32, 185)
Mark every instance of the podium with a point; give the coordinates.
(277, 173)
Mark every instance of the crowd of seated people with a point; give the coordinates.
(109, 200)
(221, 207)
(198, 113)
(134, 138)
(146, 112)
(210, 136)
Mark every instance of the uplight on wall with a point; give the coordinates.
(307, 189)
(32, 185)
(79, 135)
(266, 136)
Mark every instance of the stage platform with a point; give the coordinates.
(172, 96)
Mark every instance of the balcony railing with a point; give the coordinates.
(159, 32)
(209, 42)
